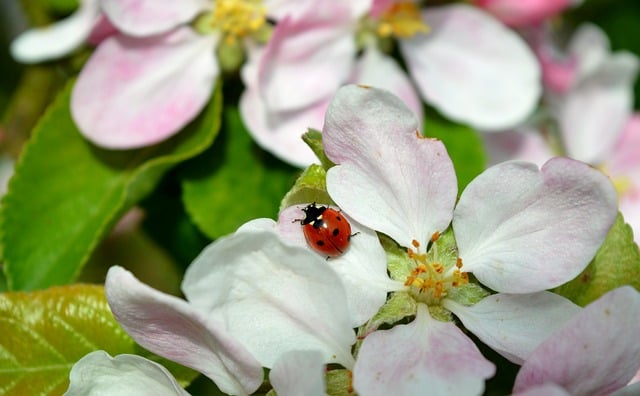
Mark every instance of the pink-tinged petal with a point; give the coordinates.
(101, 30)
(273, 297)
(625, 158)
(594, 353)
(424, 355)
(592, 115)
(362, 268)
(319, 43)
(98, 373)
(381, 71)
(547, 389)
(523, 144)
(148, 17)
(136, 92)
(560, 71)
(279, 9)
(515, 324)
(473, 69)
(176, 330)
(378, 7)
(298, 373)
(58, 39)
(389, 178)
(519, 13)
(280, 133)
(523, 230)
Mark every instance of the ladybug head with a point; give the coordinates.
(312, 213)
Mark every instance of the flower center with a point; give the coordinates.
(401, 20)
(622, 183)
(430, 279)
(238, 18)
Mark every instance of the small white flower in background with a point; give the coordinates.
(589, 98)
(520, 230)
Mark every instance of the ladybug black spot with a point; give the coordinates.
(320, 243)
(335, 232)
(338, 218)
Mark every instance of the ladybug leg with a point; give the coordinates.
(354, 234)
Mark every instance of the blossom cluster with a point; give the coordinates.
(433, 272)
(262, 297)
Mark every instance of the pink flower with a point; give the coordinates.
(145, 84)
(594, 353)
(519, 13)
(520, 230)
(462, 61)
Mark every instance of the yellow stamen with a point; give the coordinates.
(238, 18)
(401, 20)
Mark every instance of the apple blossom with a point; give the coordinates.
(520, 230)
(143, 85)
(589, 95)
(86, 24)
(594, 353)
(445, 48)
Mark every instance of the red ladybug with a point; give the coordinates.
(326, 230)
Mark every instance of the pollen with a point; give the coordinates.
(401, 20)
(238, 18)
(430, 280)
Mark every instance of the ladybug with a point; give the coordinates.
(326, 230)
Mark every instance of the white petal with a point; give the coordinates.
(273, 297)
(522, 230)
(592, 115)
(298, 373)
(388, 178)
(362, 268)
(424, 355)
(174, 329)
(594, 353)
(280, 133)
(515, 324)
(58, 39)
(589, 45)
(149, 17)
(382, 71)
(472, 68)
(547, 389)
(319, 43)
(98, 374)
(137, 92)
(523, 144)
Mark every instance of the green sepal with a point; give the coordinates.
(339, 382)
(44, 333)
(399, 306)
(617, 263)
(67, 193)
(313, 139)
(463, 143)
(233, 182)
(309, 187)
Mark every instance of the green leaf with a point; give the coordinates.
(45, 332)
(463, 143)
(234, 181)
(616, 263)
(313, 139)
(310, 187)
(67, 193)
